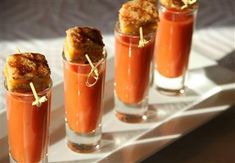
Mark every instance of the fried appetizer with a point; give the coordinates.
(138, 13)
(81, 41)
(23, 68)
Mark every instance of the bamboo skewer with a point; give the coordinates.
(38, 100)
(142, 41)
(188, 2)
(92, 66)
(94, 71)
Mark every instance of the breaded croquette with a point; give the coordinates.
(81, 41)
(138, 13)
(22, 68)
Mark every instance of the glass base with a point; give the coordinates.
(130, 118)
(83, 142)
(131, 113)
(170, 92)
(169, 86)
(11, 159)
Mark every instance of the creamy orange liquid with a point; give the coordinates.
(132, 68)
(83, 105)
(28, 128)
(173, 43)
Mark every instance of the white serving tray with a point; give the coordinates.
(169, 119)
(210, 92)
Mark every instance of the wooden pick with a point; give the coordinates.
(187, 3)
(38, 100)
(142, 41)
(93, 71)
(18, 50)
(92, 66)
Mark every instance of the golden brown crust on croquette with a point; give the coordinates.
(138, 13)
(23, 68)
(83, 40)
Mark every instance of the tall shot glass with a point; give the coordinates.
(172, 48)
(83, 104)
(28, 127)
(132, 75)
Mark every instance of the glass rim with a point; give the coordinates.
(163, 8)
(117, 30)
(28, 94)
(85, 64)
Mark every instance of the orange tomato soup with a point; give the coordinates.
(28, 128)
(173, 42)
(132, 68)
(83, 104)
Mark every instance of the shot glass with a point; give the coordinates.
(172, 48)
(132, 75)
(83, 104)
(28, 127)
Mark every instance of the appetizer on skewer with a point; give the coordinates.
(22, 68)
(138, 13)
(81, 41)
